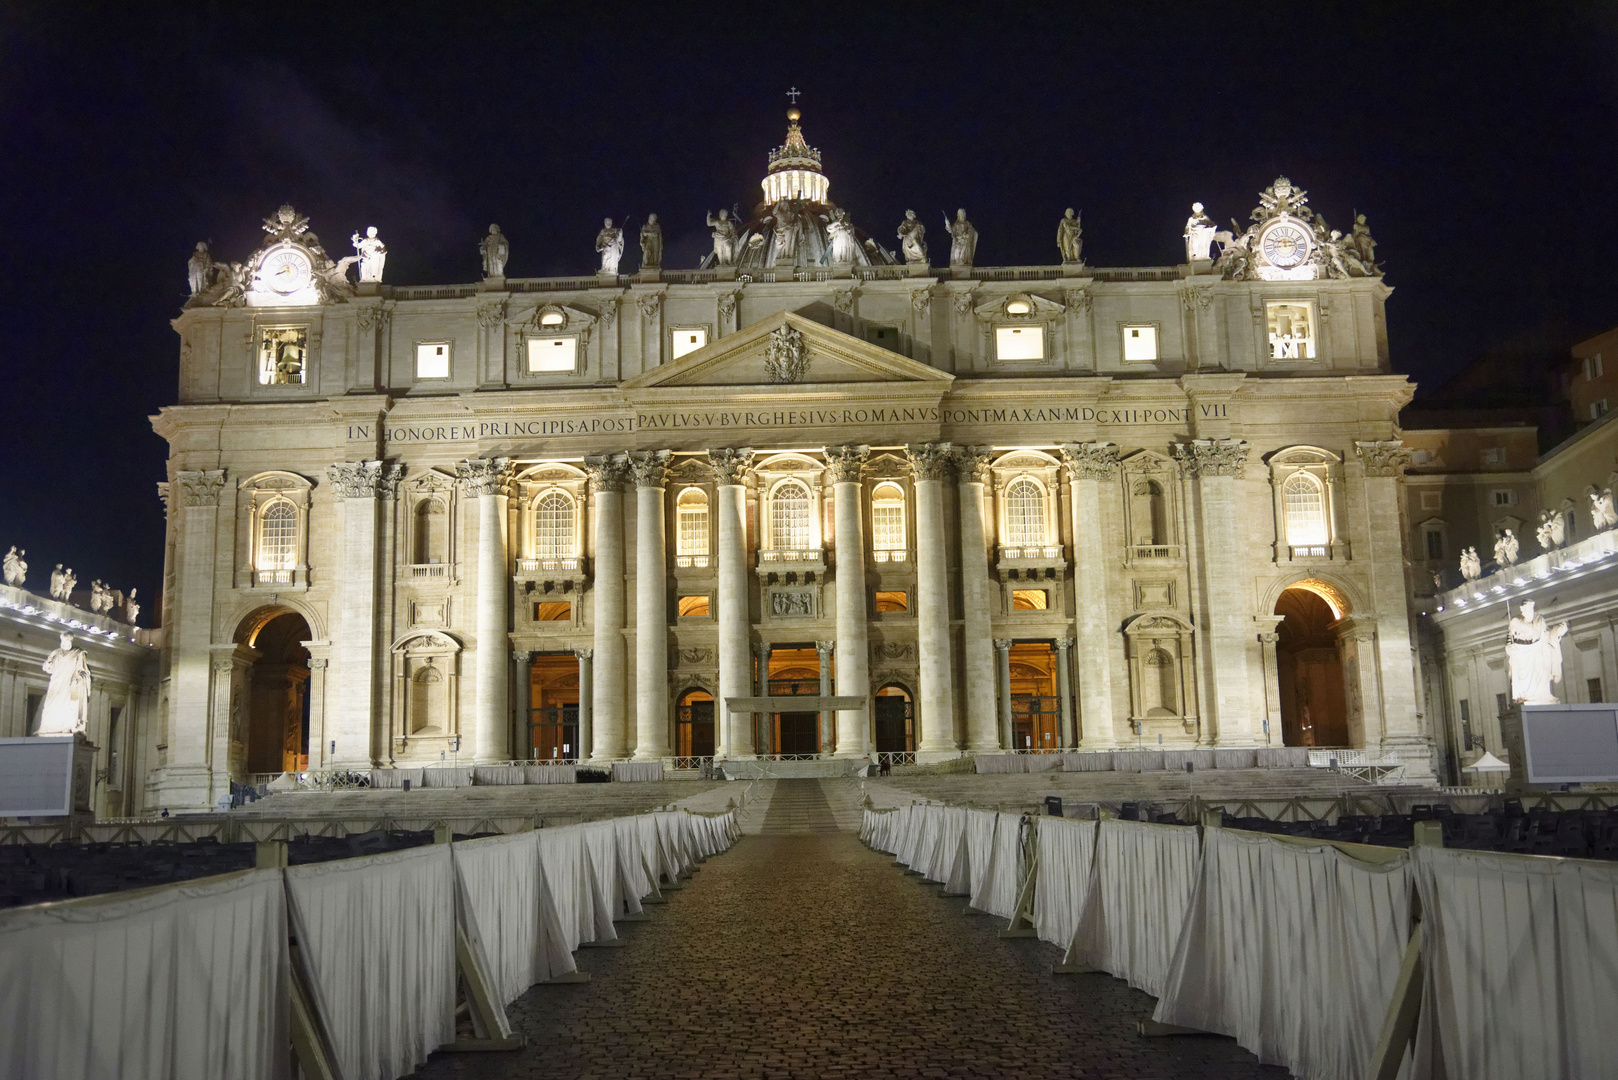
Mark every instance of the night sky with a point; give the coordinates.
(1478, 140)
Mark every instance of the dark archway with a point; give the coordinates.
(278, 699)
(694, 728)
(553, 686)
(895, 720)
(1309, 666)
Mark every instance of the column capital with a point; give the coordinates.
(366, 479)
(484, 476)
(1213, 457)
(1003, 644)
(972, 464)
(200, 488)
(522, 656)
(584, 654)
(730, 465)
(1091, 460)
(846, 463)
(1386, 457)
(762, 649)
(825, 648)
(606, 473)
(317, 663)
(930, 461)
(1064, 643)
(649, 468)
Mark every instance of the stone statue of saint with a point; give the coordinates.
(1534, 655)
(963, 239)
(1505, 548)
(66, 707)
(912, 239)
(843, 248)
(373, 254)
(1070, 237)
(1471, 565)
(1364, 247)
(16, 568)
(495, 251)
(62, 582)
(1602, 514)
(724, 238)
(1552, 530)
(200, 268)
(131, 608)
(785, 233)
(651, 244)
(100, 597)
(1199, 234)
(610, 243)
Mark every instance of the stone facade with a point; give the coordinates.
(959, 480)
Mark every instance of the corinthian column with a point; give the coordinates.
(650, 470)
(936, 713)
(607, 511)
(193, 501)
(853, 650)
(977, 646)
(487, 480)
(1216, 465)
(1088, 464)
(735, 738)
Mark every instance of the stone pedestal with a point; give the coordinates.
(48, 778)
(918, 270)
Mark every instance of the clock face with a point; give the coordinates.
(1286, 246)
(285, 271)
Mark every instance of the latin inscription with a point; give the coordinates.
(720, 419)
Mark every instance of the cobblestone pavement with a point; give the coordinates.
(802, 953)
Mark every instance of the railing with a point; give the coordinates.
(272, 577)
(704, 764)
(1017, 273)
(1145, 273)
(791, 555)
(686, 561)
(788, 757)
(1049, 552)
(530, 566)
(1156, 551)
(570, 284)
(891, 556)
(879, 273)
(433, 292)
(429, 570)
(1311, 551)
(316, 779)
(892, 758)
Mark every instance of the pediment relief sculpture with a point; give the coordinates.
(1019, 307)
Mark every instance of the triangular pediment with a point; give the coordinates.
(804, 353)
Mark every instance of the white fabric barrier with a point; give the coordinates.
(1293, 950)
(551, 774)
(1141, 881)
(1522, 966)
(188, 982)
(636, 882)
(395, 778)
(998, 892)
(448, 777)
(378, 936)
(508, 900)
(1066, 849)
(601, 846)
(566, 865)
(637, 771)
(951, 827)
(496, 775)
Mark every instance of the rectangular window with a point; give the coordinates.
(1494, 455)
(1435, 544)
(553, 354)
(885, 336)
(1019, 342)
(1598, 409)
(693, 607)
(31, 712)
(1140, 343)
(1431, 500)
(1592, 687)
(432, 360)
(1500, 704)
(892, 601)
(553, 611)
(686, 339)
(1422, 457)
(1466, 712)
(283, 354)
(1292, 329)
(1503, 497)
(1592, 367)
(1029, 600)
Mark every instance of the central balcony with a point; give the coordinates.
(1044, 562)
(791, 564)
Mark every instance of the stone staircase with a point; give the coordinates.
(551, 801)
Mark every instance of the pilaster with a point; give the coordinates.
(185, 780)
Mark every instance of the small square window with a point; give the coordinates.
(1292, 329)
(1140, 343)
(283, 353)
(1503, 497)
(1019, 342)
(686, 339)
(1435, 545)
(1494, 455)
(432, 360)
(1431, 500)
(1598, 409)
(885, 336)
(1592, 367)
(553, 611)
(553, 354)
(1029, 600)
(693, 607)
(892, 601)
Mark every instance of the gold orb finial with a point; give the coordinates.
(793, 115)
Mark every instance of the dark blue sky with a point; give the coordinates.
(1479, 140)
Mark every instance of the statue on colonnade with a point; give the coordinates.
(16, 568)
(610, 243)
(1070, 237)
(1534, 655)
(66, 706)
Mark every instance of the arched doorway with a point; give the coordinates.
(895, 721)
(277, 698)
(693, 725)
(1309, 667)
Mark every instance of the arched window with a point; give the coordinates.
(1025, 514)
(791, 527)
(554, 532)
(278, 538)
(430, 531)
(888, 523)
(1305, 502)
(691, 534)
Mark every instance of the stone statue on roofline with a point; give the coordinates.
(1199, 234)
(913, 239)
(1552, 530)
(1602, 514)
(1471, 565)
(1505, 548)
(651, 244)
(62, 583)
(843, 247)
(373, 254)
(1534, 655)
(1070, 237)
(610, 243)
(495, 249)
(1364, 247)
(131, 608)
(963, 242)
(724, 238)
(200, 268)
(16, 568)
